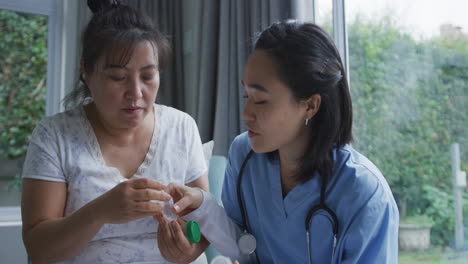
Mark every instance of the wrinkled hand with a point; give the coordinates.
(174, 245)
(186, 199)
(130, 200)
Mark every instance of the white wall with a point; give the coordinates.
(12, 249)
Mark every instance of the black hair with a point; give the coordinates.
(114, 31)
(309, 63)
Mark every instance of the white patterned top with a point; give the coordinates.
(64, 148)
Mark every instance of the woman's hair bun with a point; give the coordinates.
(99, 5)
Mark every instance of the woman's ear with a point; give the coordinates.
(312, 105)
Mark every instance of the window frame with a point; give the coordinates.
(340, 33)
(302, 9)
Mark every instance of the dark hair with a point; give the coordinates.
(309, 63)
(114, 31)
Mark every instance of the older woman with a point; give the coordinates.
(92, 172)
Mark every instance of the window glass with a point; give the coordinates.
(23, 53)
(408, 64)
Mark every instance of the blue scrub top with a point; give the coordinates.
(357, 193)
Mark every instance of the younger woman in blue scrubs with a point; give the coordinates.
(303, 183)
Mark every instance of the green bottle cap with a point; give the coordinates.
(193, 232)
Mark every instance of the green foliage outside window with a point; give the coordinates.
(23, 54)
(410, 105)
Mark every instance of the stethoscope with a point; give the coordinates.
(247, 242)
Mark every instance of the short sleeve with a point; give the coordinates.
(196, 159)
(43, 159)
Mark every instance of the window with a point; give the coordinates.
(51, 29)
(408, 62)
(50, 26)
(23, 51)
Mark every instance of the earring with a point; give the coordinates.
(307, 121)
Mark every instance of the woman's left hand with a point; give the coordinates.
(173, 244)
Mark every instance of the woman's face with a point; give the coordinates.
(273, 118)
(124, 94)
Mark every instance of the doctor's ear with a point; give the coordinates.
(312, 105)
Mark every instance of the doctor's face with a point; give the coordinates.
(273, 118)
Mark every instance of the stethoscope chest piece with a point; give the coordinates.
(247, 243)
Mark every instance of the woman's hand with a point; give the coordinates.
(130, 200)
(172, 242)
(186, 199)
(174, 245)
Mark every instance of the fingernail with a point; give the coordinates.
(176, 208)
(174, 224)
